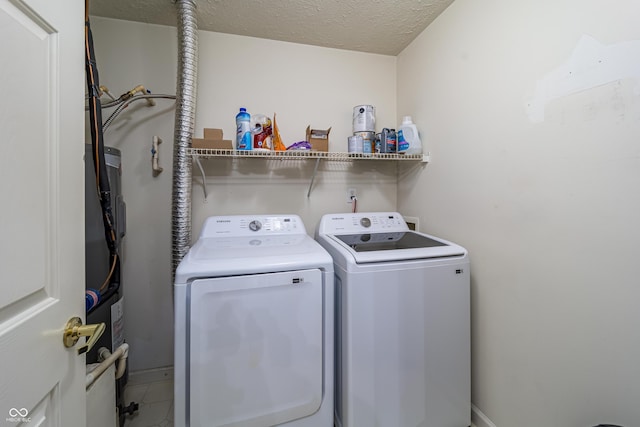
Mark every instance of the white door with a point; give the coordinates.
(41, 211)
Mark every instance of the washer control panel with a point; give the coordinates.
(252, 225)
(362, 222)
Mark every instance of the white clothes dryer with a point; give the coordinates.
(254, 325)
(402, 323)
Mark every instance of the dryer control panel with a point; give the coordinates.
(364, 223)
(252, 225)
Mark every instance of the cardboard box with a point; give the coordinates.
(214, 144)
(319, 139)
(212, 140)
(210, 133)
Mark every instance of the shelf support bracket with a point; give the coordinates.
(204, 178)
(313, 177)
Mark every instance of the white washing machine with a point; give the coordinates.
(402, 323)
(254, 321)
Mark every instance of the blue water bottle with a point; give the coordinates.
(243, 127)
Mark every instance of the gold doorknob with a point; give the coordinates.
(74, 330)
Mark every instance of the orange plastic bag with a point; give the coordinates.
(278, 145)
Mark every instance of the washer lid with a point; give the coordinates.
(368, 242)
(395, 246)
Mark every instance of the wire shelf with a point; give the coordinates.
(205, 153)
(210, 153)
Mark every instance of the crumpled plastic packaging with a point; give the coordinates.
(301, 145)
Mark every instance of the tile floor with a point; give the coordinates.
(156, 403)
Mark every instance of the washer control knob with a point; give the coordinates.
(255, 225)
(365, 222)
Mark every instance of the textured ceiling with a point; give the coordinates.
(376, 26)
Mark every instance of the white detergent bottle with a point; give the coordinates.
(408, 137)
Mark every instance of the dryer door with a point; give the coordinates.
(255, 348)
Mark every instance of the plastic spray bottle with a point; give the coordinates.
(243, 127)
(408, 137)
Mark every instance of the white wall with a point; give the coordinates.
(534, 134)
(304, 85)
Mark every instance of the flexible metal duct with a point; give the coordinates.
(184, 125)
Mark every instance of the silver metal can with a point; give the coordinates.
(355, 144)
(368, 140)
(364, 118)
